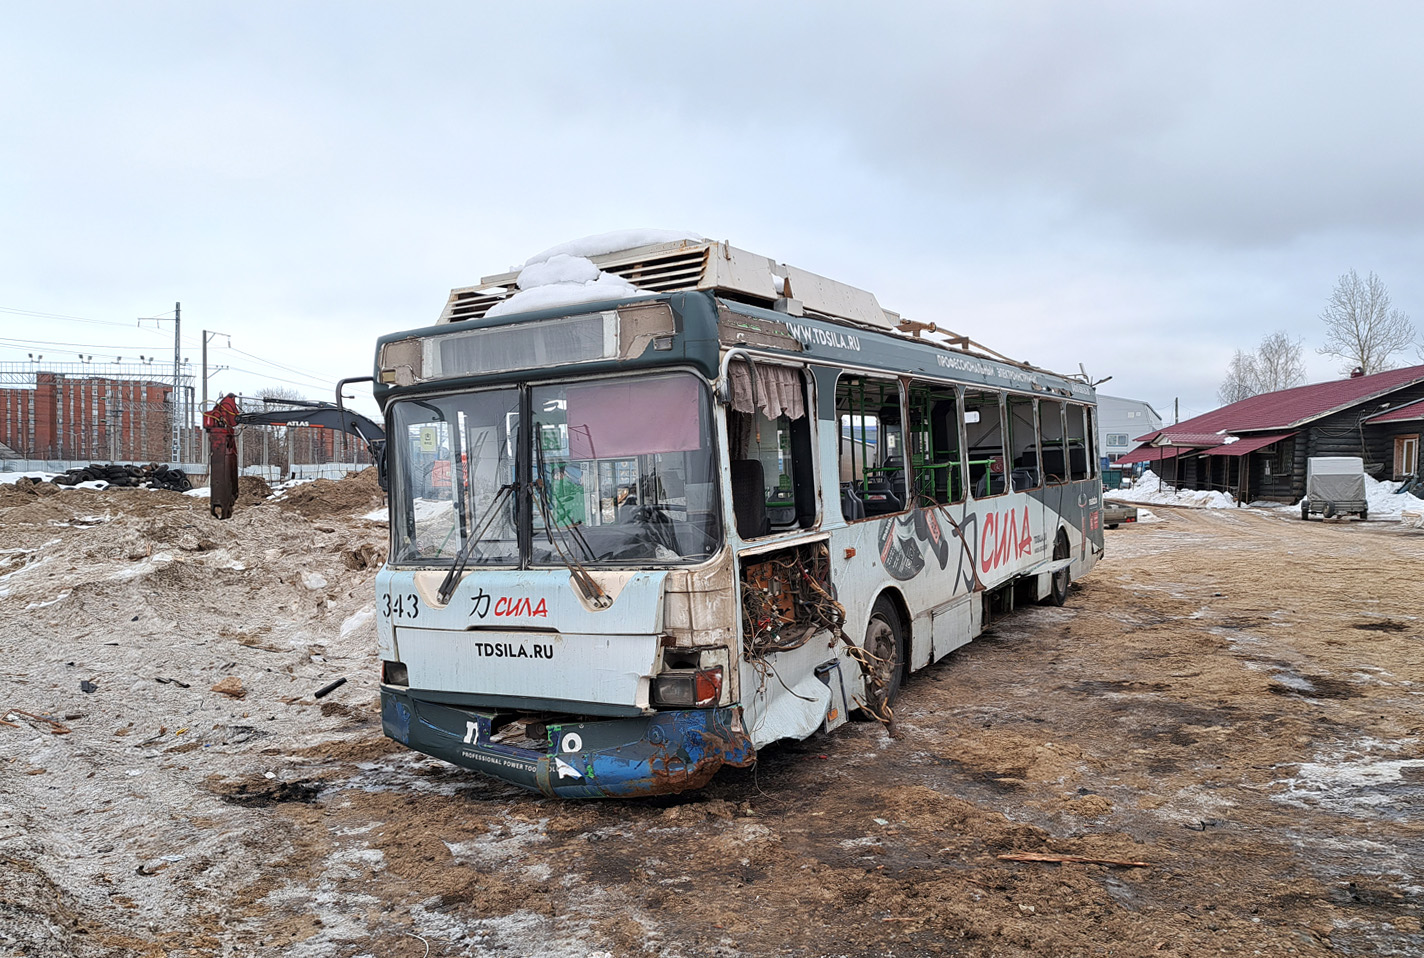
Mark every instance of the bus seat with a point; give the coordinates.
(749, 499)
(881, 498)
(1024, 479)
(1078, 462)
(851, 506)
(1053, 466)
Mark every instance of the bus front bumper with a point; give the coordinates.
(658, 754)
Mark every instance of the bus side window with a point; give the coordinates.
(1080, 455)
(1091, 412)
(935, 450)
(984, 436)
(1054, 455)
(873, 464)
(769, 444)
(1023, 444)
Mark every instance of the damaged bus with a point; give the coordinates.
(635, 540)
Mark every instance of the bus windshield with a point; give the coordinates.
(452, 474)
(624, 473)
(628, 472)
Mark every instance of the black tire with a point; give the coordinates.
(884, 639)
(1058, 584)
(1305, 510)
(1365, 513)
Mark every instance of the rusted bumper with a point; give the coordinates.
(659, 754)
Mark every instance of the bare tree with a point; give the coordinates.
(1275, 364)
(1362, 327)
(1279, 363)
(1241, 379)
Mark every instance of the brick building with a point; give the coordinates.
(63, 416)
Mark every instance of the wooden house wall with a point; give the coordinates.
(1382, 436)
(1279, 486)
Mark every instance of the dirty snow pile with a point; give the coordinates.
(1148, 489)
(564, 275)
(1385, 503)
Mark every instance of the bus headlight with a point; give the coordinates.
(394, 673)
(688, 688)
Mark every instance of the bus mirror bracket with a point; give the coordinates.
(723, 387)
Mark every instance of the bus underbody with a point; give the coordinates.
(659, 754)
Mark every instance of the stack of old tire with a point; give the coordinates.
(151, 476)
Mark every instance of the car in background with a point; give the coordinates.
(1116, 513)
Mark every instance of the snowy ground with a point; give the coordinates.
(1231, 699)
(1148, 489)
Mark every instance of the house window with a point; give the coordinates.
(1406, 456)
(1279, 458)
(1117, 439)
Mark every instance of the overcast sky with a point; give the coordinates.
(1138, 187)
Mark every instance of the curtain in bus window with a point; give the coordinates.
(778, 390)
(608, 420)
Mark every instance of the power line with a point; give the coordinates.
(328, 383)
(18, 343)
(268, 362)
(75, 346)
(72, 319)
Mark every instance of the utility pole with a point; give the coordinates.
(207, 338)
(177, 397)
(1176, 410)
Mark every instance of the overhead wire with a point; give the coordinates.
(314, 379)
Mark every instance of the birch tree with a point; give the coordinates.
(1362, 327)
(1275, 364)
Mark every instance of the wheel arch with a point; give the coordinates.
(896, 598)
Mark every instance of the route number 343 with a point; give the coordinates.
(401, 606)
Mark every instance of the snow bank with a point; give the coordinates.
(1385, 503)
(1148, 489)
(10, 478)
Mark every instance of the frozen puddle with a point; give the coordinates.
(1358, 785)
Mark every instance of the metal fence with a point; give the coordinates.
(78, 413)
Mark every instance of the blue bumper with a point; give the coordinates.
(658, 754)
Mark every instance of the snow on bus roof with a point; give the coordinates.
(564, 275)
(601, 243)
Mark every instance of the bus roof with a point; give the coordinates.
(731, 274)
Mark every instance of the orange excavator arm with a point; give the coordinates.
(221, 424)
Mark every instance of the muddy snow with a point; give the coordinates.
(1233, 699)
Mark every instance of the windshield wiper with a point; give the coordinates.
(462, 558)
(591, 589)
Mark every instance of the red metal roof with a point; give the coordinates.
(1290, 408)
(1202, 439)
(1414, 410)
(1150, 454)
(1243, 446)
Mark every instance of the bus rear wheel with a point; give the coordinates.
(884, 668)
(1058, 583)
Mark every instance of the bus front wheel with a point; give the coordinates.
(884, 666)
